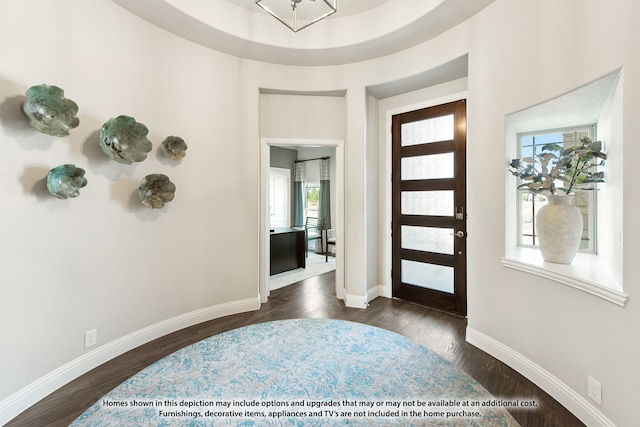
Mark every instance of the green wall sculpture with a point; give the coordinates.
(156, 190)
(65, 181)
(174, 147)
(49, 111)
(125, 140)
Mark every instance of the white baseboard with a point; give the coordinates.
(356, 301)
(384, 291)
(377, 291)
(363, 302)
(569, 398)
(34, 392)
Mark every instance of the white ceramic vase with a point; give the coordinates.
(559, 229)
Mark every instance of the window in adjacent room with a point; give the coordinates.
(529, 145)
(312, 199)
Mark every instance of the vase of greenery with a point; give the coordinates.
(556, 172)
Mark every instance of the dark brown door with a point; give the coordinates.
(429, 207)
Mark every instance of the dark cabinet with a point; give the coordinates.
(287, 250)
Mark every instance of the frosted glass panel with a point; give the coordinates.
(430, 276)
(427, 131)
(439, 240)
(427, 167)
(438, 203)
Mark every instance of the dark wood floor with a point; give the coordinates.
(313, 298)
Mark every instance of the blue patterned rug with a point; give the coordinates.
(304, 372)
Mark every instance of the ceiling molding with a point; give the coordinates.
(382, 29)
(452, 70)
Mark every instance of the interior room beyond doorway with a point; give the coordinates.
(297, 199)
(310, 156)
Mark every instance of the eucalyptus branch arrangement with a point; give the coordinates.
(574, 166)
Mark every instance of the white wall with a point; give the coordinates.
(521, 52)
(102, 260)
(524, 53)
(372, 213)
(302, 116)
(611, 198)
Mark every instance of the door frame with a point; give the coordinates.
(456, 300)
(264, 217)
(387, 288)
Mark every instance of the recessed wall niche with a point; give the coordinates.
(598, 102)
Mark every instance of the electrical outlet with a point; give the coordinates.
(90, 338)
(594, 390)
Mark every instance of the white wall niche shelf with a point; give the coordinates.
(586, 273)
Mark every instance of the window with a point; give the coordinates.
(312, 199)
(530, 145)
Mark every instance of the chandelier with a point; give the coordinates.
(299, 14)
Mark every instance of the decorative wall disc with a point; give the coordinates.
(174, 147)
(49, 111)
(125, 140)
(156, 190)
(65, 181)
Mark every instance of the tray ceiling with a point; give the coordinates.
(359, 31)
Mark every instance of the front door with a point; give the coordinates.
(429, 207)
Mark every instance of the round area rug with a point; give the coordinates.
(303, 372)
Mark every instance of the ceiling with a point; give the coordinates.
(359, 31)
(346, 7)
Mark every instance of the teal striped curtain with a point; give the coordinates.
(298, 194)
(324, 208)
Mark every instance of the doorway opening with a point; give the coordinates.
(268, 217)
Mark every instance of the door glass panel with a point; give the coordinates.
(427, 131)
(434, 166)
(437, 203)
(427, 239)
(430, 276)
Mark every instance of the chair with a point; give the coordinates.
(331, 240)
(313, 229)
